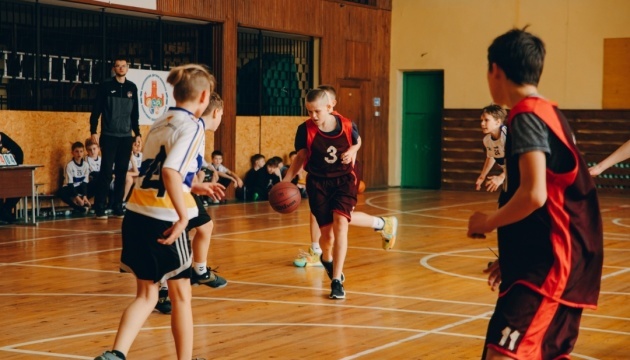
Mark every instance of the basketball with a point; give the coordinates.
(361, 188)
(285, 197)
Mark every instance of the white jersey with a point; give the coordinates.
(173, 142)
(137, 159)
(76, 174)
(220, 168)
(496, 148)
(94, 164)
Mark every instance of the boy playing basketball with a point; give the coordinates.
(327, 144)
(492, 118)
(549, 225)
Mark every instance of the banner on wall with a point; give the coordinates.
(155, 95)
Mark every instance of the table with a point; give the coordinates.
(19, 181)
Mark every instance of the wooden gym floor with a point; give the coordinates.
(62, 295)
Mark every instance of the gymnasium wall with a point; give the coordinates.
(454, 36)
(45, 137)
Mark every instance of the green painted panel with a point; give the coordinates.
(423, 101)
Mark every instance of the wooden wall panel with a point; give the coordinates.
(298, 17)
(598, 133)
(616, 86)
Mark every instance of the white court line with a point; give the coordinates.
(418, 336)
(618, 222)
(615, 273)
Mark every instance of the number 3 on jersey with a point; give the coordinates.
(332, 151)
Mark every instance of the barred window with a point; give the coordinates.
(274, 72)
(76, 48)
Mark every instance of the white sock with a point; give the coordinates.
(378, 223)
(200, 268)
(163, 285)
(315, 247)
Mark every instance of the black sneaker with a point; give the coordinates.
(209, 278)
(119, 213)
(108, 355)
(336, 290)
(100, 215)
(329, 269)
(164, 303)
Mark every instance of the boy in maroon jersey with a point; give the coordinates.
(326, 145)
(549, 225)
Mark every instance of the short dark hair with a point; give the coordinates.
(316, 94)
(495, 111)
(520, 54)
(255, 158)
(292, 153)
(77, 145)
(274, 161)
(216, 153)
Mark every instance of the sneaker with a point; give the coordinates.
(118, 213)
(310, 258)
(209, 278)
(336, 290)
(388, 233)
(329, 269)
(108, 355)
(100, 215)
(164, 303)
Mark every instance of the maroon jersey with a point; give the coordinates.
(324, 151)
(557, 250)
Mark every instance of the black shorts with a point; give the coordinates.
(202, 218)
(527, 325)
(147, 258)
(329, 195)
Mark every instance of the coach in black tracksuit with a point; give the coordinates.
(117, 102)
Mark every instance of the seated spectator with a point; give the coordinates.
(226, 176)
(93, 159)
(135, 165)
(74, 191)
(7, 206)
(265, 178)
(257, 163)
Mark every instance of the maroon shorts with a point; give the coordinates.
(328, 195)
(527, 325)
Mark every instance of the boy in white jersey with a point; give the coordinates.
(492, 118)
(93, 159)
(154, 241)
(135, 163)
(77, 171)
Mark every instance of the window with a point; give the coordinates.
(274, 72)
(76, 49)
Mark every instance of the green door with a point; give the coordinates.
(423, 100)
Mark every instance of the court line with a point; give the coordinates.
(418, 336)
(13, 347)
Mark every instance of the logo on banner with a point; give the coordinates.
(154, 96)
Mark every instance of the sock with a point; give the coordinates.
(200, 268)
(378, 223)
(163, 285)
(119, 354)
(315, 247)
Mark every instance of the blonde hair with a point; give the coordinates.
(215, 103)
(189, 81)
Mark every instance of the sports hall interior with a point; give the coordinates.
(410, 73)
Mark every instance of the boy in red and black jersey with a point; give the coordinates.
(549, 224)
(326, 145)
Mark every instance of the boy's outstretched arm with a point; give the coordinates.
(530, 195)
(296, 165)
(621, 154)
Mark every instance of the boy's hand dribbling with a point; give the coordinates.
(479, 182)
(493, 183)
